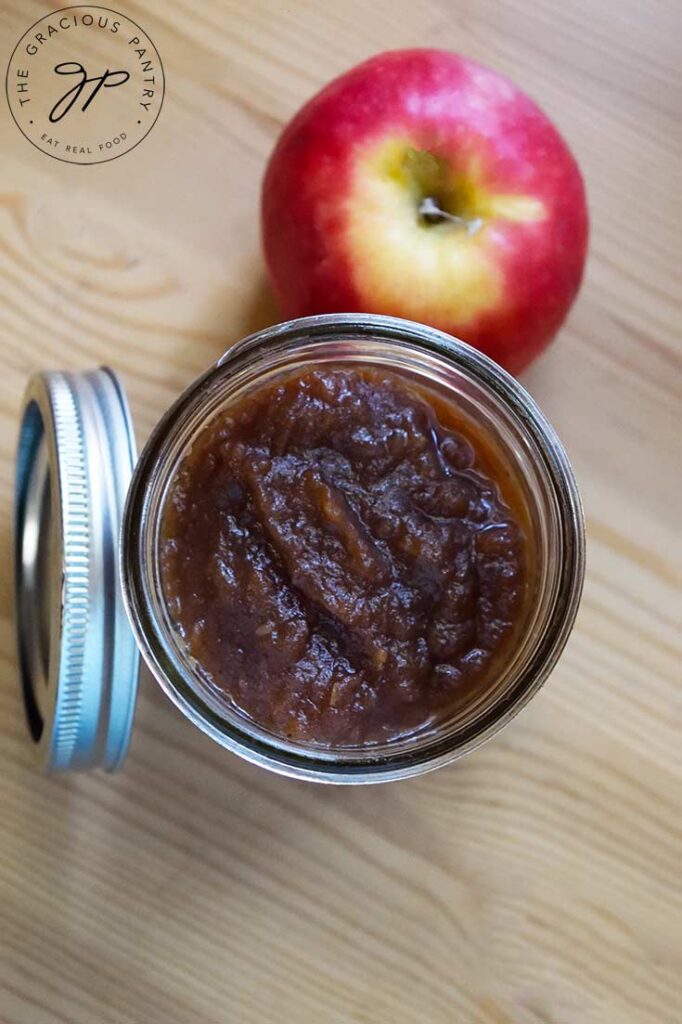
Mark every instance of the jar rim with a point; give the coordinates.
(136, 554)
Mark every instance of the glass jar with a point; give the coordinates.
(493, 400)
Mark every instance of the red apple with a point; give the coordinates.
(427, 186)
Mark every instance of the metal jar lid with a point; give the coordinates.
(78, 661)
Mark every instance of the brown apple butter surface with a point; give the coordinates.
(344, 557)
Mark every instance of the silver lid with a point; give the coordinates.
(78, 661)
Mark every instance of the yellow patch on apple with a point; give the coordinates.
(417, 233)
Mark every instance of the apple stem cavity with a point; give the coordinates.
(431, 213)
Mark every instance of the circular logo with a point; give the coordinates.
(85, 84)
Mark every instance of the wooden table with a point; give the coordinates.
(537, 882)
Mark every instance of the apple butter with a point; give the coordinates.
(345, 556)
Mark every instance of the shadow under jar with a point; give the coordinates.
(353, 549)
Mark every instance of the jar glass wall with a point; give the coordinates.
(529, 451)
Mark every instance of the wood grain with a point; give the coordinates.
(538, 881)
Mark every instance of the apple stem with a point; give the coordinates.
(431, 213)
